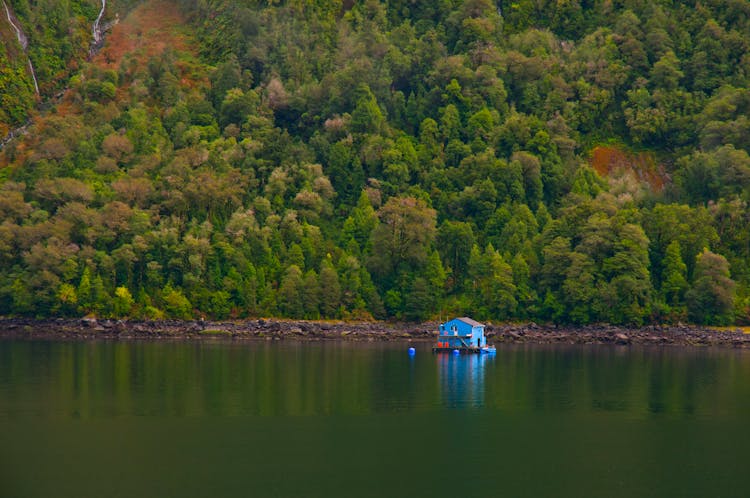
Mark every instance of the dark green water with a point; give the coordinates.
(217, 419)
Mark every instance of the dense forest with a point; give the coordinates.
(569, 161)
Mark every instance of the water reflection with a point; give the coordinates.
(462, 379)
(323, 419)
(108, 379)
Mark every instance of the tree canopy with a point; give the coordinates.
(394, 159)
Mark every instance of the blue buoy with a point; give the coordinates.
(456, 351)
(412, 351)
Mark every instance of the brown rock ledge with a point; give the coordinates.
(272, 329)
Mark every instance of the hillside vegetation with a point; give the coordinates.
(558, 161)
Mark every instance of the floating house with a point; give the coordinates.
(463, 335)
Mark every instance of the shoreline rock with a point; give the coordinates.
(299, 330)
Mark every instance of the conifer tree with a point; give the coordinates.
(290, 297)
(418, 300)
(311, 295)
(330, 290)
(84, 291)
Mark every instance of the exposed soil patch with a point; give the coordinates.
(610, 161)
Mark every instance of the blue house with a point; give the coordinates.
(462, 334)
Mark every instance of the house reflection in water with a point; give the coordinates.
(462, 379)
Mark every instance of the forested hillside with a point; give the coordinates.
(42, 43)
(558, 161)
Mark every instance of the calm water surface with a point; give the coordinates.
(221, 419)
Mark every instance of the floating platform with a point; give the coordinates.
(465, 350)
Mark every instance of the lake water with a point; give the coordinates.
(250, 419)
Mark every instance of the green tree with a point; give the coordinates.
(418, 301)
(345, 171)
(360, 223)
(220, 304)
(579, 288)
(526, 296)
(68, 299)
(176, 305)
(454, 241)
(674, 277)
(628, 288)
(100, 298)
(228, 75)
(500, 292)
(436, 278)
(367, 116)
(666, 72)
(22, 299)
(123, 302)
(84, 291)
(403, 238)
(290, 297)
(711, 297)
(237, 106)
(492, 281)
(330, 287)
(311, 293)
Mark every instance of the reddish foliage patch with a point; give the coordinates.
(146, 31)
(611, 161)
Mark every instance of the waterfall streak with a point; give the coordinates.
(24, 42)
(96, 30)
(33, 76)
(19, 34)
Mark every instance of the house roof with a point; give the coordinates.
(471, 322)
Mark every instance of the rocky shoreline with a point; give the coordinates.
(92, 329)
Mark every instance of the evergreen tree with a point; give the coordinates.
(367, 116)
(311, 292)
(525, 294)
(290, 296)
(101, 301)
(435, 278)
(330, 290)
(360, 223)
(674, 277)
(85, 302)
(500, 292)
(418, 301)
